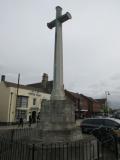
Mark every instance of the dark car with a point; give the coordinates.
(89, 124)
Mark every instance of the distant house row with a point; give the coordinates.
(18, 100)
(86, 106)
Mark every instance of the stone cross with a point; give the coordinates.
(58, 87)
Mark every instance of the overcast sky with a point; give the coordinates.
(91, 44)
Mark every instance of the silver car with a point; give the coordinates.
(89, 124)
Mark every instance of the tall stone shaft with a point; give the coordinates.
(58, 87)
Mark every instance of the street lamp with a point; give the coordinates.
(107, 93)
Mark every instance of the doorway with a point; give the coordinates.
(34, 116)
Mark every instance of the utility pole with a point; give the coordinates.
(107, 93)
(18, 83)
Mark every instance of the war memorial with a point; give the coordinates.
(57, 127)
(56, 137)
(57, 122)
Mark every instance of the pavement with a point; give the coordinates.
(18, 127)
(78, 122)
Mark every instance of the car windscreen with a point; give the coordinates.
(111, 123)
(94, 121)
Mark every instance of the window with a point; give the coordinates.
(99, 121)
(86, 121)
(21, 114)
(22, 101)
(94, 121)
(34, 101)
(110, 123)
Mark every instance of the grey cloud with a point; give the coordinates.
(115, 77)
(90, 43)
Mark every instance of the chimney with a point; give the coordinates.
(44, 79)
(2, 78)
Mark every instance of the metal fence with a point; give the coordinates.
(81, 150)
(13, 147)
(17, 134)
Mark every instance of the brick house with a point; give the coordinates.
(84, 105)
(102, 101)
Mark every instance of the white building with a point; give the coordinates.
(18, 101)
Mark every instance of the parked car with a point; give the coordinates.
(89, 124)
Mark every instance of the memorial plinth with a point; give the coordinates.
(57, 122)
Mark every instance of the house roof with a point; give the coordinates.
(103, 100)
(47, 89)
(15, 85)
(77, 96)
(89, 98)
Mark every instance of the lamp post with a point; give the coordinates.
(107, 93)
(11, 95)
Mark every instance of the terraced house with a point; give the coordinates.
(18, 101)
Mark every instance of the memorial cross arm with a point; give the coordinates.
(61, 19)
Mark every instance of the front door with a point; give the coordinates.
(34, 116)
